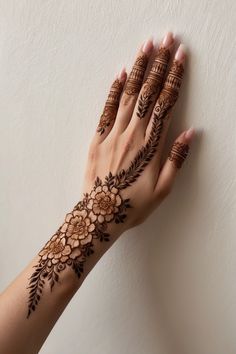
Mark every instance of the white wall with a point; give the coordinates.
(170, 283)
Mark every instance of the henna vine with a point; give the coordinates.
(88, 222)
(111, 107)
(153, 81)
(178, 153)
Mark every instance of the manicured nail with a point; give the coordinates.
(148, 46)
(181, 53)
(168, 40)
(122, 75)
(189, 134)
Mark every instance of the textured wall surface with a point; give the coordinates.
(168, 286)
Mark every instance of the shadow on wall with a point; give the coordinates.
(173, 275)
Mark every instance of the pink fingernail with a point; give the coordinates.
(148, 46)
(181, 53)
(189, 134)
(168, 40)
(122, 74)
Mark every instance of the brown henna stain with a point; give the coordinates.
(135, 79)
(153, 82)
(111, 106)
(73, 243)
(178, 154)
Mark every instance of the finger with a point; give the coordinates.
(160, 120)
(109, 113)
(133, 85)
(174, 162)
(152, 85)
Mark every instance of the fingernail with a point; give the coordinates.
(122, 75)
(168, 40)
(181, 53)
(148, 46)
(189, 134)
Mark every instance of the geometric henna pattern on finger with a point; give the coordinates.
(111, 107)
(135, 78)
(178, 153)
(169, 93)
(88, 222)
(153, 81)
(173, 80)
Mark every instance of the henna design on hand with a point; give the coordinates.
(135, 79)
(178, 153)
(111, 106)
(173, 81)
(88, 223)
(154, 81)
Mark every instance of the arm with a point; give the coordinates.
(125, 181)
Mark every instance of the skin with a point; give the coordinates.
(111, 150)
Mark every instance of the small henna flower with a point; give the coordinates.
(56, 250)
(78, 227)
(104, 203)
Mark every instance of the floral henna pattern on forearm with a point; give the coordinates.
(153, 81)
(74, 241)
(111, 106)
(178, 153)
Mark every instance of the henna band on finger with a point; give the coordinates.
(174, 79)
(170, 91)
(111, 107)
(178, 154)
(154, 81)
(135, 79)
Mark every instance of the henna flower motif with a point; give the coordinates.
(78, 227)
(56, 250)
(104, 203)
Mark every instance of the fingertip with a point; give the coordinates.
(189, 135)
(181, 54)
(122, 75)
(147, 47)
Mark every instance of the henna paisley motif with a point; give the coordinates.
(178, 154)
(111, 107)
(154, 81)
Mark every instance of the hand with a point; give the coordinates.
(125, 178)
(125, 157)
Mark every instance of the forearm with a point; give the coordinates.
(23, 329)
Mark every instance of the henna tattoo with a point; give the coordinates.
(88, 223)
(111, 107)
(153, 82)
(135, 79)
(178, 153)
(74, 240)
(173, 80)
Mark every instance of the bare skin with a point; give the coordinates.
(126, 179)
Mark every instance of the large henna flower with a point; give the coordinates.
(78, 227)
(104, 203)
(56, 250)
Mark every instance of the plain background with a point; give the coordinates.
(169, 285)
